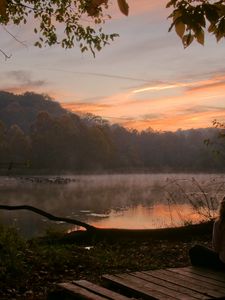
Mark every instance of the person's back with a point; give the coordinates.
(204, 257)
(218, 237)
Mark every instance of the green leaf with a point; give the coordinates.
(38, 44)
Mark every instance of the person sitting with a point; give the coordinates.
(212, 258)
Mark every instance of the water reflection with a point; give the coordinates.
(119, 201)
(141, 217)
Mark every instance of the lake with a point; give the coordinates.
(134, 201)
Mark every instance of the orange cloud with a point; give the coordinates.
(193, 108)
(23, 88)
(214, 82)
(173, 122)
(214, 85)
(190, 105)
(85, 107)
(155, 88)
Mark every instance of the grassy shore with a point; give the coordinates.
(30, 269)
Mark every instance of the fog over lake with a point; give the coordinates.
(119, 201)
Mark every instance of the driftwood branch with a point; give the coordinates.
(47, 215)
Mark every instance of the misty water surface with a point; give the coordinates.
(119, 201)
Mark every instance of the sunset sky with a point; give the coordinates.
(143, 79)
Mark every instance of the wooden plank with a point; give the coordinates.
(151, 285)
(190, 294)
(209, 287)
(208, 270)
(78, 292)
(198, 276)
(99, 290)
(201, 282)
(216, 275)
(136, 289)
(189, 283)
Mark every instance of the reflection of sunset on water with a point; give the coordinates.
(140, 217)
(132, 201)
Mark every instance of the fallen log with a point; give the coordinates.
(47, 215)
(115, 235)
(93, 233)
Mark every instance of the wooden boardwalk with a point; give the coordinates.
(188, 283)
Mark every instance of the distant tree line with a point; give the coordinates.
(37, 129)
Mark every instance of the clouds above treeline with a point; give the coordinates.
(186, 104)
(19, 81)
(193, 104)
(143, 79)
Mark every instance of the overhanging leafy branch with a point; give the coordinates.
(191, 18)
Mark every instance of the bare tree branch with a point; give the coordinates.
(47, 215)
(21, 4)
(5, 54)
(14, 37)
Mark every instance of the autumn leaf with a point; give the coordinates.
(211, 13)
(176, 14)
(212, 28)
(200, 37)
(98, 3)
(123, 6)
(219, 35)
(187, 40)
(3, 5)
(170, 3)
(93, 6)
(221, 29)
(180, 28)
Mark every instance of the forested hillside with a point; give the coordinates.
(37, 129)
(23, 109)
